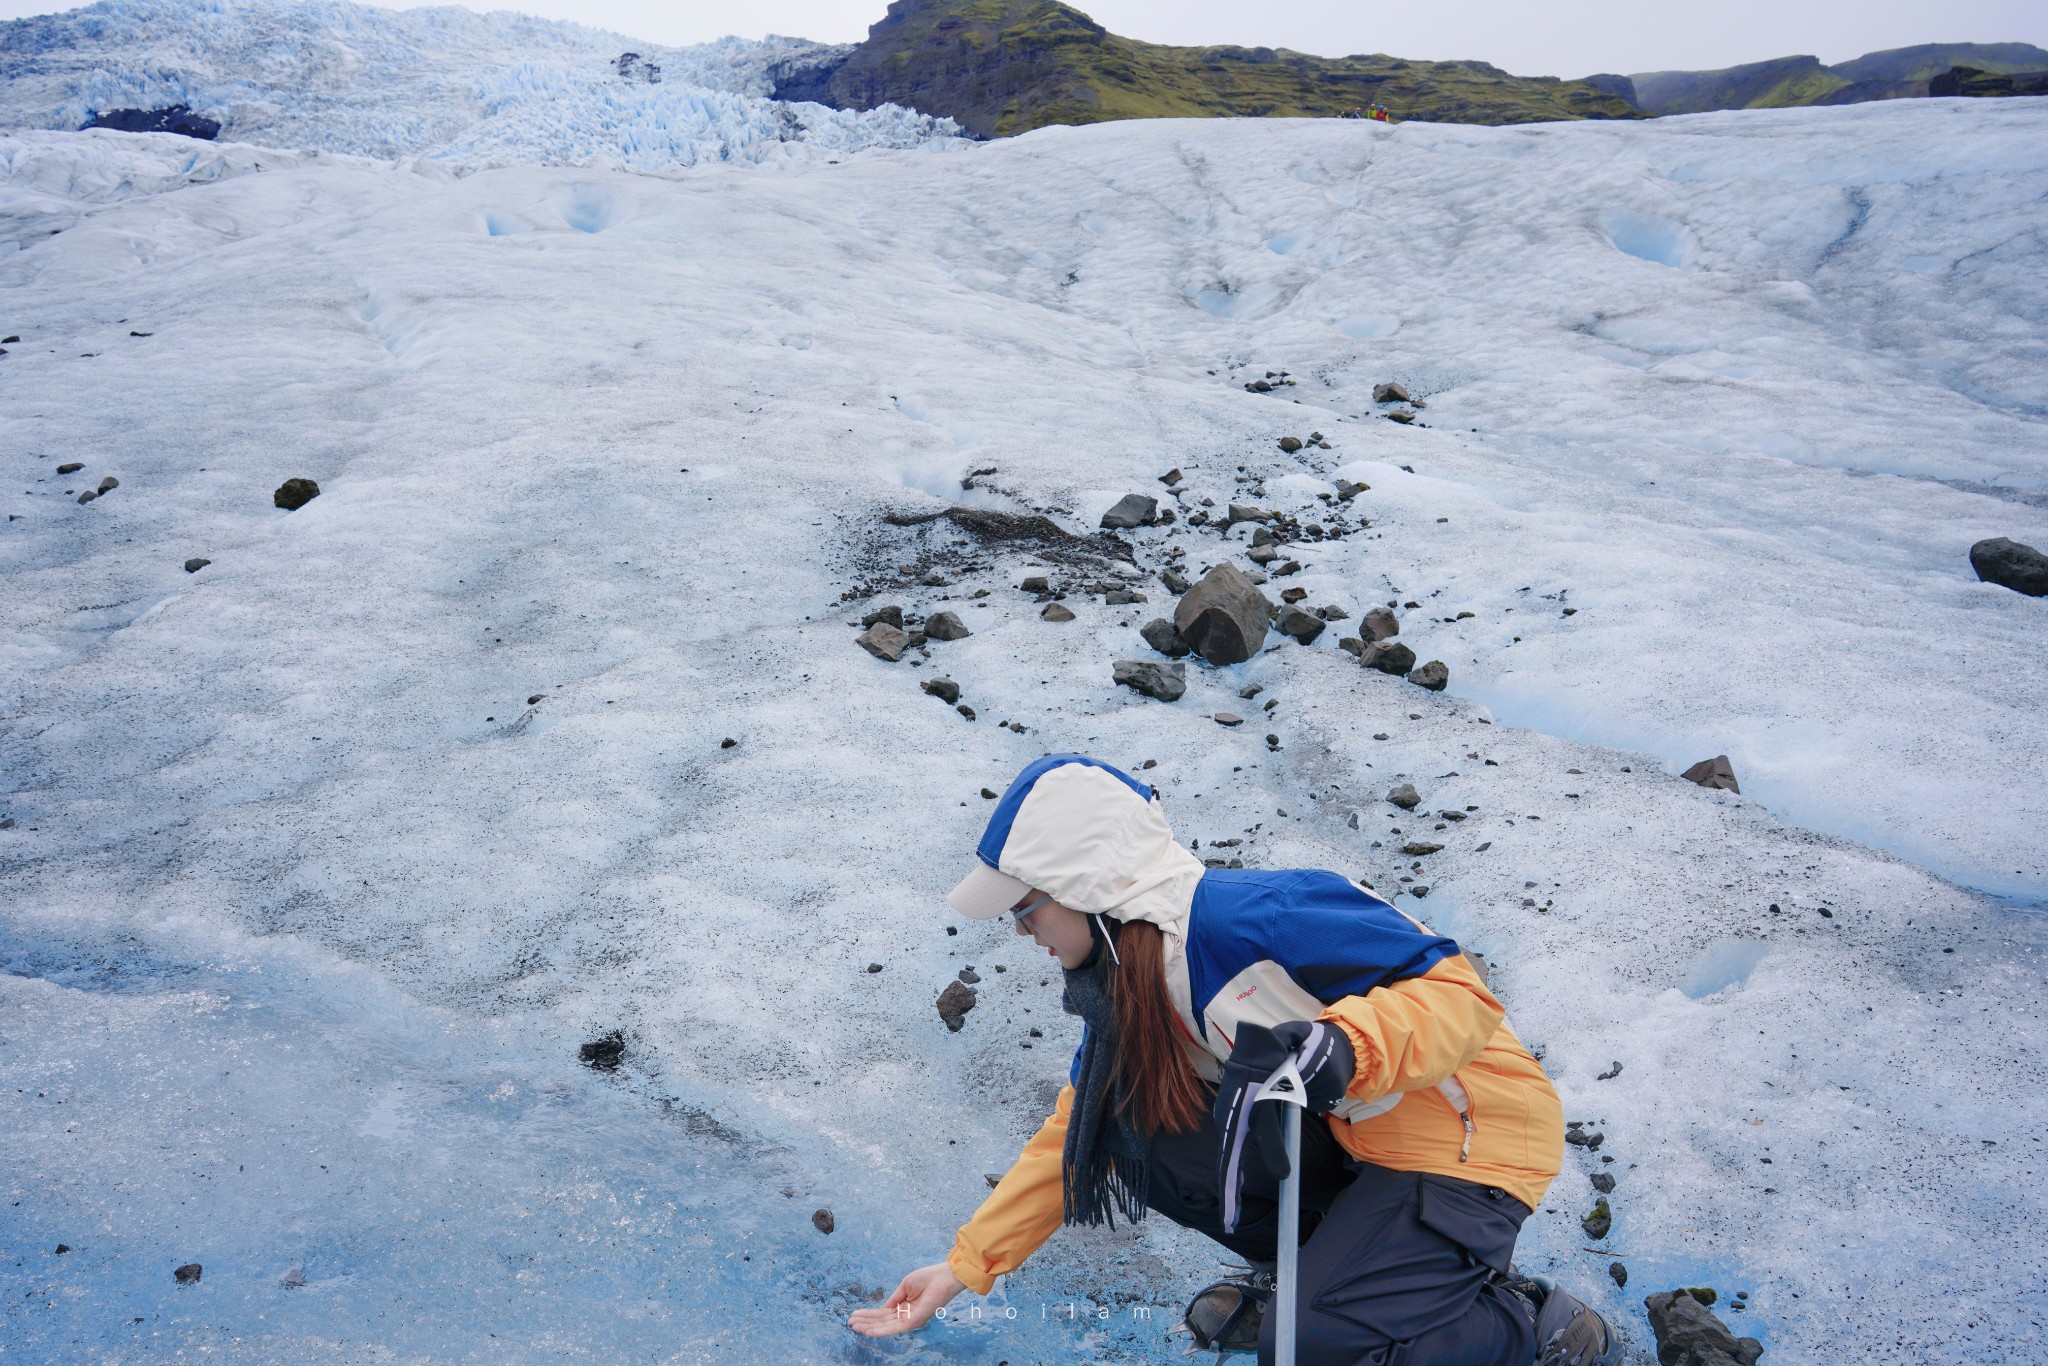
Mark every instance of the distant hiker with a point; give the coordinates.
(1440, 1133)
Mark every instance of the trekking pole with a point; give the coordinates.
(1286, 1087)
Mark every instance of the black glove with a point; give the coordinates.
(1254, 1136)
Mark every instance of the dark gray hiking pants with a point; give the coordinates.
(1396, 1267)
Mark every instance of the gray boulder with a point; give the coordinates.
(1381, 624)
(1055, 612)
(1290, 444)
(1131, 510)
(883, 641)
(2009, 564)
(1223, 618)
(1160, 634)
(946, 626)
(1240, 512)
(1389, 657)
(1714, 772)
(891, 614)
(1405, 796)
(1688, 1334)
(1390, 392)
(1303, 626)
(945, 689)
(1435, 676)
(954, 1002)
(1167, 682)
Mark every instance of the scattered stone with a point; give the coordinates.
(965, 710)
(1610, 1074)
(1249, 691)
(1036, 583)
(1055, 612)
(87, 496)
(1160, 634)
(988, 794)
(1293, 595)
(603, 1054)
(294, 494)
(294, 1278)
(994, 1179)
(1603, 1182)
(821, 1220)
(1290, 444)
(935, 578)
(1346, 490)
(1291, 567)
(63, 1248)
(1131, 510)
(1388, 656)
(1224, 718)
(1418, 848)
(1618, 1273)
(1171, 477)
(1240, 512)
(1263, 554)
(727, 743)
(1175, 581)
(1167, 682)
(1584, 1138)
(1405, 796)
(2006, 563)
(73, 467)
(1401, 415)
(1435, 676)
(195, 564)
(1714, 772)
(883, 641)
(946, 626)
(892, 614)
(945, 689)
(1303, 626)
(1123, 597)
(1223, 618)
(969, 976)
(188, 1274)
(874, 967)
(1352, 645)
(954, 1003)
(1599, 1222)
(1390, 392)
(1688, 1334)
(108, 485)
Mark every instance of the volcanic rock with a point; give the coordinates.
(1303, 626)
(1160, 634)
(1223, 618)
(1389, 657)
(1131, 510)
(2009, 564)
(294, 494)
(1714, 772)
(1167, 682)
(883, 641)
(1434, 676)
(946, 626)
(954, 1002)
(1688, 1334)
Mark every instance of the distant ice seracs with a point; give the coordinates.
(467, 89)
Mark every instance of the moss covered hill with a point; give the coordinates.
(1000, 67)
(1900, 73)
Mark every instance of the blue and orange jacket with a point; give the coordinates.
(1442, 1083)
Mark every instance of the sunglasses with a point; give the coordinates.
(1021, 911)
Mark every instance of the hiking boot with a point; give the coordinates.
(1226, 1316)
(1568, 1332)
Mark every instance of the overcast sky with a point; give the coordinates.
(1553, 38)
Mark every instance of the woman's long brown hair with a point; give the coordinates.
(1154, 1075)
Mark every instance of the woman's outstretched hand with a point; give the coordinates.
(920, 1295)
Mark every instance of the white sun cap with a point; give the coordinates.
(985, 893)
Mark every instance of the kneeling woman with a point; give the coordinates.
(1193, 984)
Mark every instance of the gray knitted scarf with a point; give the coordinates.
(1107, 1160)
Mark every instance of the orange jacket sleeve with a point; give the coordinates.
(1413, 1034)
(1021, 1212)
